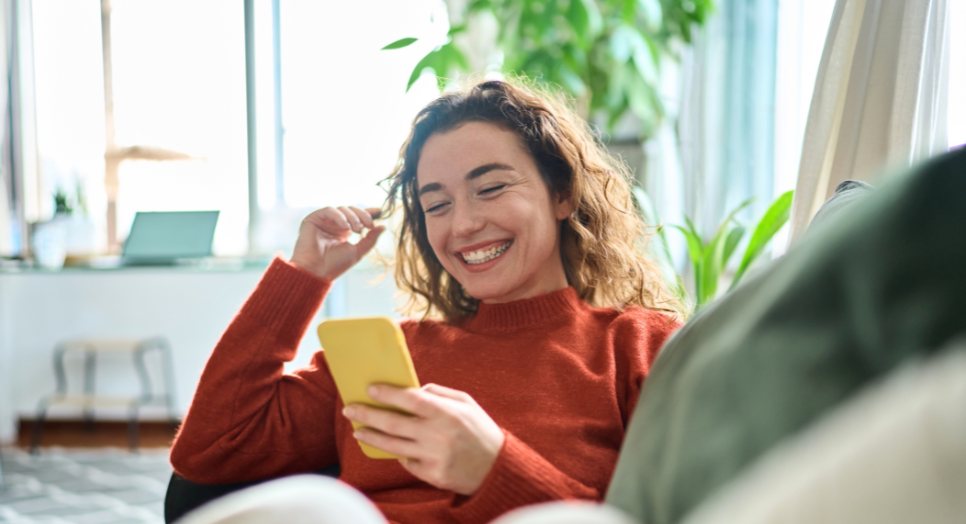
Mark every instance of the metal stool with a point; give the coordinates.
(88, 400)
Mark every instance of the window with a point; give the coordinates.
(178, 78)
(344, 109)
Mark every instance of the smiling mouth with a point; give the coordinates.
(485, 255)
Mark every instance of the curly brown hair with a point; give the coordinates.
(603, 242)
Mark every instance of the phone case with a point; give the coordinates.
(365, 351)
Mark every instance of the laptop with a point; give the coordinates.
(159, 238)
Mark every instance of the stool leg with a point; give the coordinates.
(89, 367)
(147, 393)
(38, 428)
(133, 429)
(168, 361)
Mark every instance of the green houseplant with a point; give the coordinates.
(710, 257)
(604, 53)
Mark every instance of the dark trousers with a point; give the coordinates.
(184, 495)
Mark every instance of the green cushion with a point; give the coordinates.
(837, 208)
(843, 308)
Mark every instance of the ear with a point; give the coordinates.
(562, 206)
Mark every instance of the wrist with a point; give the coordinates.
(487, 465)
(313, 269)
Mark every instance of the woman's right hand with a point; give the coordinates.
(323, 247)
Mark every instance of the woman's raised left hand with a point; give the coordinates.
(449, 441)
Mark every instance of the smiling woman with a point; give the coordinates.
(490, 218)
(491, 157)
(519, 231)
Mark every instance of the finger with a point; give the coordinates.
(331, 215)
(411, 400)
(446, 392)
(412, 465)
(388, 443)
(374, 212)
(385, 421)
(352, 218)
(364, 217)
(366, 243)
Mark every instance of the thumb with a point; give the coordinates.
(368, 242)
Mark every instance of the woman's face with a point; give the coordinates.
(490, 217)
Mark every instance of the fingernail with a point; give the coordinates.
(356, 435)
(373, 391)
(348, 412)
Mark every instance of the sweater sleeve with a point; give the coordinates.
(248, 419)
(520, 476)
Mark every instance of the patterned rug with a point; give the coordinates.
(83, 486)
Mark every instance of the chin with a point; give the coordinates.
(487, 290)
(482, 293)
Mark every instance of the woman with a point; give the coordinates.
(541, 317)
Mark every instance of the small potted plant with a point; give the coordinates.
(67, 237)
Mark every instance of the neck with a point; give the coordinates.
(550, 280)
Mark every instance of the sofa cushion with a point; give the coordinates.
(837, 208)
(843, 308)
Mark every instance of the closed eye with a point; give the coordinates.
(492, 189)
(437, 207)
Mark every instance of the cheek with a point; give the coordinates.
(437, 239)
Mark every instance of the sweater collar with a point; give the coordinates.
(525, 313)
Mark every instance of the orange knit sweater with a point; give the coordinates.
(561, 379)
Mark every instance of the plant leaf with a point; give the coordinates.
(712, 265)
(620, 45)
(454, 57)
(627, 11)
(642, 56)
(692, 229)
(479, 5)
(401, 43)
(651, 12)
(731, 242)
(736, 210)
(429, 61)
(773, 220)
(713, 260)
(695, 247)
(594, 19)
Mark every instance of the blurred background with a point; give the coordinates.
(264, 110)
(330, 108)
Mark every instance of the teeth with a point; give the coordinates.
(478, 257)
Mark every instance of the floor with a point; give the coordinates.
(83, 485)
(75, 433)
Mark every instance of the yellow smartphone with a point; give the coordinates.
(365, 351)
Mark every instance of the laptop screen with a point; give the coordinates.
(167, 235)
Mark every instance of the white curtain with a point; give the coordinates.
(6, 227)
(880, 97)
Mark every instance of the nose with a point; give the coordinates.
(467, 220)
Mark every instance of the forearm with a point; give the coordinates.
(240, 424)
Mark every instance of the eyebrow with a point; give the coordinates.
(475, 173)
